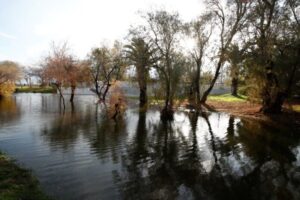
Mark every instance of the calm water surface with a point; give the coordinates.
(82, 154)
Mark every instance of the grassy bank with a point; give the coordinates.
(228, 98)
(35, 89)
(17, 183)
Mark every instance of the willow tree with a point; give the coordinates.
(141, 55)
(164, 31)
(230, 18)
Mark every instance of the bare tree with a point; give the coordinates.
(105, 66)
(200, 30)
(61, 69)
(230, 20)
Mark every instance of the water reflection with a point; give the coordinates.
(172, 166)
(83, 154)
(9, 110)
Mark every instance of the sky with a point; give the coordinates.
(27, 27)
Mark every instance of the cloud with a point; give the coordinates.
(8, 36)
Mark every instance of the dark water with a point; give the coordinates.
(84, 155)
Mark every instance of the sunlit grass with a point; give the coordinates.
(228, 98)
(35, 89)
(296, 108)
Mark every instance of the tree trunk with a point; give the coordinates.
(97, 89)
(197, 84)
(272, 97)
(105, 91)
(73, 87)
(58, 87)
(142, 80)
(206, 93)
(167, 112)
(234, 86)
(143, 96)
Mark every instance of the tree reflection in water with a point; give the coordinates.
(167, 164)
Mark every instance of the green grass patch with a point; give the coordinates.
(228, 98)
(296, 108)
(35, 89)
(17, 183)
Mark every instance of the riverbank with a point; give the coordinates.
(239, 106)
(17, 183)
(35, 89)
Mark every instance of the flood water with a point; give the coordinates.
(82, 154)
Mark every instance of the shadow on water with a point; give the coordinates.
(166, 164)
(196, 156)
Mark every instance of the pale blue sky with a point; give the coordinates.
(27, 27)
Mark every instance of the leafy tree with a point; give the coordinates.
(164, 30)
(276, 50)
(140, 54)
(9, 73)
(62, 70)
(105, 67)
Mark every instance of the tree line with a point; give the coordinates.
(256, 42)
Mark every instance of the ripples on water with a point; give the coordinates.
(82, 154)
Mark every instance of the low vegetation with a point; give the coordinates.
(35, 89)
(17, 183)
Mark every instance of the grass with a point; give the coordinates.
(17, 183)
(220, 98)
(35, 89)
(296, 108)
(228, 98)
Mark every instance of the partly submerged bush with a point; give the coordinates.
(6, 89)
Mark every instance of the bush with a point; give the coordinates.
(6, 89)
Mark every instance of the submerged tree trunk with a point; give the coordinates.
(73, 87)
(167, 112)
(197, 84)
(97, 89)
(105, 91)
(58, 87)
(142, 80)
(143, 96)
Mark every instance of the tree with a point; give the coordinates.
(277, 49)
(164, 29)
(235, 57)
(201, 35)
(62, 70)
(9, 73)
(230, 19)
(140, 54)
(105, 67)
